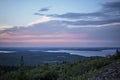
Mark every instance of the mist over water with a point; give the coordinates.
(87, 53)
(7, 51)
(73, 51)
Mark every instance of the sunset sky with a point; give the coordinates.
(59, 23)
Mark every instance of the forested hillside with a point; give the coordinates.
(88, 69)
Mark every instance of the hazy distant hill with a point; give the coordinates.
(37, 57)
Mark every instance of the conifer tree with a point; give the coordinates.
(21, 70)
(117, 54)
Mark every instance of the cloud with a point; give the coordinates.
(78, 15)
(39, 14)
(110, 6)
(108, 9)
(112, 9)
(73, 29)
(109, 13)
(55, 32)
(41, 20)
(4, 27)
(100, 22)
(44, 9)
(102, 25)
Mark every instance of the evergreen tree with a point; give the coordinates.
(21, 62)
(22, 69)
(117, 54)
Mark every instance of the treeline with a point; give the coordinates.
(63, 71)
(4, 69)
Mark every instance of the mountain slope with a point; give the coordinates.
(109, 72)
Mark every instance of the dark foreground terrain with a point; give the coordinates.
(93, 68)
(109, 72)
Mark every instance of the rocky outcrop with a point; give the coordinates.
(109, 72)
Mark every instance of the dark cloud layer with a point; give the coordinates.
(101, 22)
(110, 11)
(112, 6)
(44, 9)
(78, 15)
(75, 15)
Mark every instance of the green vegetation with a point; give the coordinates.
(63, 71)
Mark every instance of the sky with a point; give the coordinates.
(59, 23)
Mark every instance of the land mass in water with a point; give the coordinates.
(38, 56)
